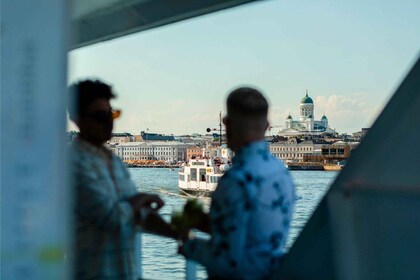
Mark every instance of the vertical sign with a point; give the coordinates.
(34, 185)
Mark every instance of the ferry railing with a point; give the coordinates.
(190, 266)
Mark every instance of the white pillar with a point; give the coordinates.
(34, 184)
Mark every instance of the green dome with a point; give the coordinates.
(324, 117)
(306, 100)
(289, 117)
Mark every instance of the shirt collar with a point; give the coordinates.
(101, 151)
(251, 149)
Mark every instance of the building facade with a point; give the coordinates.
(145, 136)
(170, 152)
(294, 150)
(195, 152)
(360, 134)
(118, 138)
(213, 151)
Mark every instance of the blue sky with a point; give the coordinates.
(350, 55)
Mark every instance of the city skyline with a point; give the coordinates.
(174, 79)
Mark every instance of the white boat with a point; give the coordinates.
(201, 176)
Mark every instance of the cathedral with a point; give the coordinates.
(306, 124)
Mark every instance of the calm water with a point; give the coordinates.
(160, 260)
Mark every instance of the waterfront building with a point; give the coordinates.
(337, 151)
(211, 151)
(118, 138)
(138, 138)
(145, 136)
(332, 153)
(195, 152)
(295, 149)
(214, 150)
(306, 124)
(156, 150)
(194, 139)
(360, 134)
(112, 147)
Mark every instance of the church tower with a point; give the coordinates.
(306, 108)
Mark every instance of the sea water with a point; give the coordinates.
(160, 259)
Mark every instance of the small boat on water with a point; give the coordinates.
(201, 176)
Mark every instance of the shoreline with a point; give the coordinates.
(153, 166)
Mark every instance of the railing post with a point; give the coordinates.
(190, 266)
(190, 270)
(138, 255)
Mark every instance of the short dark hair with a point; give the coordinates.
(83, 93)
(247, 101)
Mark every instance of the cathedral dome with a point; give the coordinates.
(289, 117)
(306, 100)
(324, 117)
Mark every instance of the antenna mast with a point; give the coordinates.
(220, 126)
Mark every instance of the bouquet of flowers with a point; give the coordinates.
(186, 219)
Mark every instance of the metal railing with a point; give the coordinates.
(190, 266)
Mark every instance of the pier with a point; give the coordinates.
(314, 166)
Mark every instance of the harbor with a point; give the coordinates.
(171, 65)
(160, 260)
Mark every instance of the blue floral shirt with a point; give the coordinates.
(250, 215)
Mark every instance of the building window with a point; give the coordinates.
(193, 174)
(214, 179)
(202, 174)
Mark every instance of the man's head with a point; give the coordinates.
(91, 110)
(246, 119)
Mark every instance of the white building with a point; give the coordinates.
(293, 150)
(166, 151)
(306, 123)
(218, 151)
(118, 138)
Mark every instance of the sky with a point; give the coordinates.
(350, 56)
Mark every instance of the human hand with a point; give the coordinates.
(181, 242)
(144, 200)
(154, 223)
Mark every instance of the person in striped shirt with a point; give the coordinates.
(108, 208)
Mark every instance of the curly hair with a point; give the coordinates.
(83, 93)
